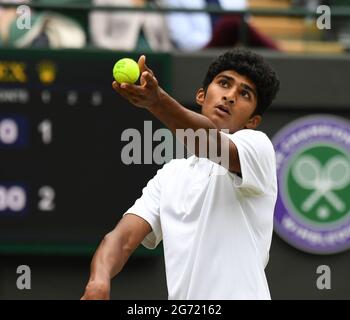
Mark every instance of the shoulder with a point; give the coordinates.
(254, 144)
(257, 159)
(250, 133)
(254, 138)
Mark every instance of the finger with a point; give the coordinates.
(143, 66)
(119, 89)
(116, 85)
(124, 88)
(129, 92)
(132, 90)
(148, 80)
(141, 63)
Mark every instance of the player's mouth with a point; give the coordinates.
(223, 110)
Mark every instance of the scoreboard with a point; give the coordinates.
(63, 184)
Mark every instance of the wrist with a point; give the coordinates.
(159, 102)
(97, 291)
(98, 285)
(99, 279)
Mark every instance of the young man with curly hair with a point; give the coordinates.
(216, 225)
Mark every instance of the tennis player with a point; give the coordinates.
(216, 228)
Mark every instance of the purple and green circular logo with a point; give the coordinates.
(312, 211)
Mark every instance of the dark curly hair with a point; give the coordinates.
(254, 67)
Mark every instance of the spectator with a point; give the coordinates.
(194, 31)
(227, 29)
(128, 30)
(188, 31)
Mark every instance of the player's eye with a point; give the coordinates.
(224, 83)
(245, 94)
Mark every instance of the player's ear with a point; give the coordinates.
(253, 122)
(200, 96)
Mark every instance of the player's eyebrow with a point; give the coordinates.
(243, 85)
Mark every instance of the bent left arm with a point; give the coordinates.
(151, 96)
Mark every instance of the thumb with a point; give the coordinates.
(142, 65)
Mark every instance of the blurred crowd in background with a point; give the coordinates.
(156, 31)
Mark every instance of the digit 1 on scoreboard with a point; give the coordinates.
(45, 128)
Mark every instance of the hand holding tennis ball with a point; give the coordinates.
(126, 71)
(147, 94)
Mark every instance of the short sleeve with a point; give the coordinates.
(148, 208)
(257, 160)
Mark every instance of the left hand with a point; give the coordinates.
(147, 94)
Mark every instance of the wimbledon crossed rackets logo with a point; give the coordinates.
(316, 183)
(312, 210)
(335, 175)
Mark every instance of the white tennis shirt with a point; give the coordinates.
(216, 228)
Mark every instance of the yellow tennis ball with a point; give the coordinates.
(126, 71)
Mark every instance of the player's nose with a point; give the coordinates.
(229, 100)
(230, 97)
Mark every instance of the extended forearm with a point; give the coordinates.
(175, 116)
(113, 253)
(109, 259)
